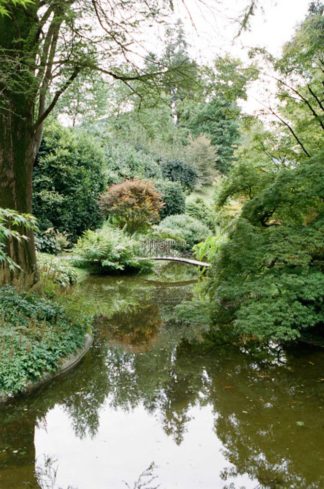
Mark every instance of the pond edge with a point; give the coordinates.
(64, 366)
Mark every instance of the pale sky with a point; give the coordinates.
(215, 25)
(212, 26)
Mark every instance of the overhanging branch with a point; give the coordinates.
(56, 97)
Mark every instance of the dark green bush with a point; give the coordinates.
(180, 171)
(125, 162)
(172, 196)
(68, 179)
(51, 241)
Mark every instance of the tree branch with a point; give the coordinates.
(57, 95)
(291, 131)
(304, 99)
(311, 91)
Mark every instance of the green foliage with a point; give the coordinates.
(134, 204)
(125, 162)
(202, 155)
(85, 100)
(172, 196)
(208, 249)
(56, 270)
(108, 250)
(229, 79)
(201, 211)
(180, 171)
(4, 3)
(300, 85)
(217, 119)
(51, 241)
(268, 279)
(68, 180)
(13, 227)
(185, 230)
(34, 335)
(180, 78)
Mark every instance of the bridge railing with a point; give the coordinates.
(158, 247)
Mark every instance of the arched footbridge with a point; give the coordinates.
(164, 250)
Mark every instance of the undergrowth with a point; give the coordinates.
(35, 334)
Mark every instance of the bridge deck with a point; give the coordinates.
(179, 259)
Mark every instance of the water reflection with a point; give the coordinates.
(207, 418)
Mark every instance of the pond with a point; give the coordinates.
(150, 407)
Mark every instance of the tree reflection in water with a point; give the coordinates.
(267, 416)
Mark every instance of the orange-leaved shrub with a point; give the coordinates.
(133, 204)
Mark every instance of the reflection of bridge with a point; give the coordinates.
(164, 250)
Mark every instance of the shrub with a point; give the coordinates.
(108, 249)
(186, 230)
(68, 179)
(179, 171)
(172, 196)
(57, 271)
(198, 209)
(34, 335)
(135, 204)
(51, 241)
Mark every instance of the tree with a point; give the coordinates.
(202, 156)
(134, 203)
(85, 101)
(268, 276)
(185, 82)
(44, 47)
(218, 117)
(267, 280)
(218, 120)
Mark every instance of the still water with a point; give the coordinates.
(149, 407)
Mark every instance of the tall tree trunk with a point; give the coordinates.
(16, 167)
(17, 135)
